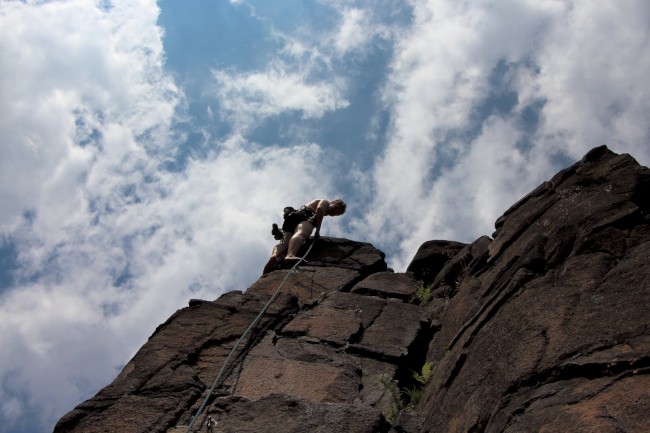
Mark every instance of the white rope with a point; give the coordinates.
(259, 316)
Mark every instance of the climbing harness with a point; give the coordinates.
(293, 217)
(232, 351)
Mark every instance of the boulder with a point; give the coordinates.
(431, 257)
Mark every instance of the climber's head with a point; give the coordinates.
(337, 207)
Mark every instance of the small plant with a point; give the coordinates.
(425, 373)
(405, 400)
(414, 395)
(423, 295)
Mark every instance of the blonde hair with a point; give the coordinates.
(338, 204)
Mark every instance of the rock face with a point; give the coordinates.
(551, 334)
(543, 327)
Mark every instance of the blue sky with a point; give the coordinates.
(148, 146)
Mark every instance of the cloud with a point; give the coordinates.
(314, 66)
(454, 157)
(84, 106)
(361, 29)
(247, 97)
(591, 77)
(70, 85)
(353, 32)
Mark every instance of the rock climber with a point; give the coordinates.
(297, 227)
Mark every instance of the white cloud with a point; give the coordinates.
(362, 26)
(248, 97)
(308, 75)
(593, 69)
(444, 176)
(354, 30)
(75, 69)
(84, 105)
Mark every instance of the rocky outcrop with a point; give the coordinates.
(543, 327)
(324, 352)
(551, 334)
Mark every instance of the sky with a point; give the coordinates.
(146, 148)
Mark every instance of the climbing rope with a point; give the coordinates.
(252, 325)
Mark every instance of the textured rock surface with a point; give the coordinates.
(173, 368)
(545, 327)
(320, 353)
(552, 333)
